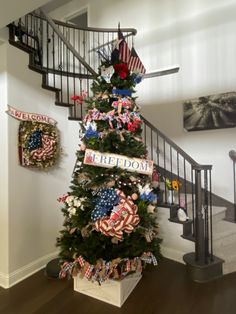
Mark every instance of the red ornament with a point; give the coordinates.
(133, 126)
(122, 70)
(79, 98)
(74, 97)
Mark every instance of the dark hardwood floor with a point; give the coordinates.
(162, 290)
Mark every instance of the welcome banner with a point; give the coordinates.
(26, 116)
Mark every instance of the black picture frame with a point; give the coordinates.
(210, 112)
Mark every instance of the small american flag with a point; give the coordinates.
(121, 51)
(124, 51)
(135, 64)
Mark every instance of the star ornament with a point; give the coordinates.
(117, 43)
(107, 198)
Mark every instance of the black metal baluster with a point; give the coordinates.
(151, 144)
(60, 45)
(164, 160)
(171, 175)
(48, 41)
(68, 69)
(177, 157)
(84, 51)
(81, 87)
(206, 225)
(185, 183)
(53, 56)
(27, 29)
(73, 109)
(193, 203)
(80, 48)
(158, 150)
(41, 34)
(145, 134)
(210, 204)
(93, 52)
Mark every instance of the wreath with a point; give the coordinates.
(38, 144)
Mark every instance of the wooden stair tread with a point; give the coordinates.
(188, 237)
(51, 88)
(63, 104)
(176, 220)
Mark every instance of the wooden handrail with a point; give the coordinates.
(133, 31)
(67, 43)
(171, 143)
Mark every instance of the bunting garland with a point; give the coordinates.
(116, 269)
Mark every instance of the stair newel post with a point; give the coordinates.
(201, 268)
(199, 220)
(207, 211)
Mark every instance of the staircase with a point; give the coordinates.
(68, 58)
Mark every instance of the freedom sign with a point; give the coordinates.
(108, 160)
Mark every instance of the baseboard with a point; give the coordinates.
(9, 280)
(4, 280)
(172, 254)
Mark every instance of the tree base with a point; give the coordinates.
(111, 291)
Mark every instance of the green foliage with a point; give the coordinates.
(79, 236)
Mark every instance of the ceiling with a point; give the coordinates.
(10, 10)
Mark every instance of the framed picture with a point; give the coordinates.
(210, 112)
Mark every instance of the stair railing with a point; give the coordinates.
(67, 56)
(194, 193)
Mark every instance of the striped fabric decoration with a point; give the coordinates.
(124, 51)
(135, 64)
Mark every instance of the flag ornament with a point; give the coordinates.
(135, 64)
(121, 52)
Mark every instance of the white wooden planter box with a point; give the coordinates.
(110, 291)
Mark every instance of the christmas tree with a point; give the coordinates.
(110, 226)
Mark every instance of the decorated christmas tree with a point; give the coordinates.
(110, 227)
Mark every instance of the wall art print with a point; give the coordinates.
(210, 112)
(38, 139)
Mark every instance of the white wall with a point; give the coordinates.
(4, 239)
(34, 213)
(13, 9)
(199, 36)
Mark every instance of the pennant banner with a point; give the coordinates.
(26, 116)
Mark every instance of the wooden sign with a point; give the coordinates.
(26, 116)
(108, 160)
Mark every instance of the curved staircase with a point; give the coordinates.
(67, 58)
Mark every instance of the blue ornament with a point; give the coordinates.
(150, 197)
(137, 78)
(35, 140)
(106, 200)
(91, 133)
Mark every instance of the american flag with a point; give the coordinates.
(135, 64)
(124, 52)
(121, 51)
